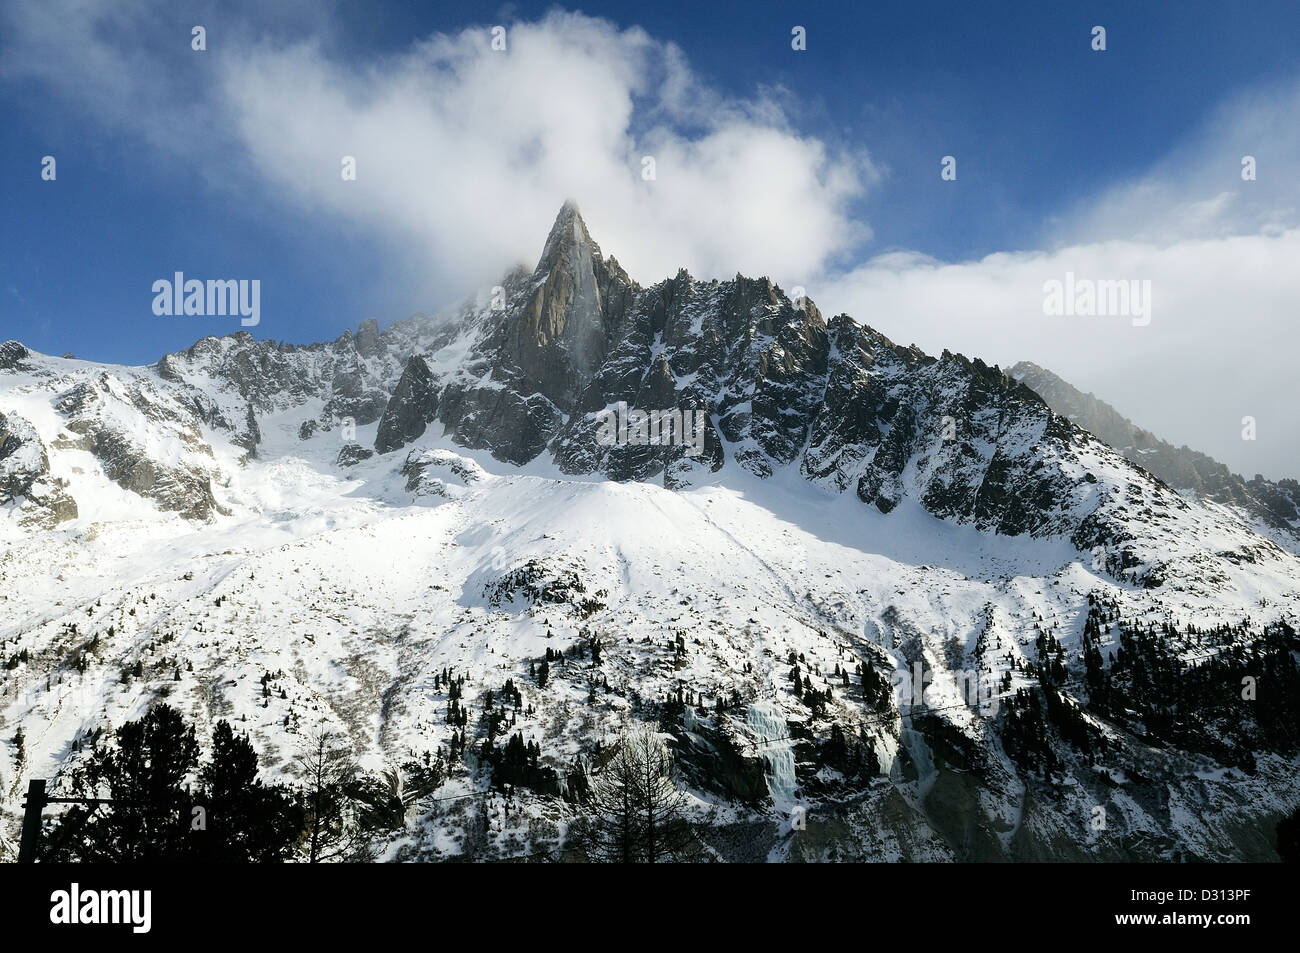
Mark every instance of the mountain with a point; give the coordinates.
(891, 593)
(1271, 507)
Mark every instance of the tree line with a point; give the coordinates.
(169, 800)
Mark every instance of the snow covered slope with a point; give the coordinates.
(306, 537)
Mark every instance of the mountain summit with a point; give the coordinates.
(537, 371)
(557, 337)
(396, 536)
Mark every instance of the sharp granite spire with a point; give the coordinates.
(560, 336)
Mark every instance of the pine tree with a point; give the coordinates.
(246, 820)
(143, 774)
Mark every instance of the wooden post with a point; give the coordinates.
(32, 807)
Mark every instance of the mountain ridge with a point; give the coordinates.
(533, 372)
(1274, 503)
(348, 520)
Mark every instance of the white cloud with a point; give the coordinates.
(464, 154)
(470, 151)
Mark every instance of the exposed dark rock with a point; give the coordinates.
(184, 488)
(432, 472)
(413, 406)
(352, 454)
(353, 398)
(11, 356)
(367, 339)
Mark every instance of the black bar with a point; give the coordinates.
(1244, 902)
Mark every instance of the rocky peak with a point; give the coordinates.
(568, 237)
(12, 355)
(558, 338)
(367, 339)
(25, 479)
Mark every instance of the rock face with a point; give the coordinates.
(439, 473)
(413, 406)
(775, 385)
(11, 356)
(367, 340)
(352, 454)
(571, 342)
(963, 440)
(352, 376)
(557, 338)
(353, 398)
(25, 480)
(146, 441)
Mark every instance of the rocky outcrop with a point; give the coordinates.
(439, 473)
(145, 441)
(558, 338)
(513, 428)
(352, 376)
(367, 341)
(12, 355)
(413, 406)
(25, 480)
(354, 397)
(352, 454)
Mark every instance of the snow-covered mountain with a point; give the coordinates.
(1270, 506)
(356, 517)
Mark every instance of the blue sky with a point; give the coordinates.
(222, 164)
